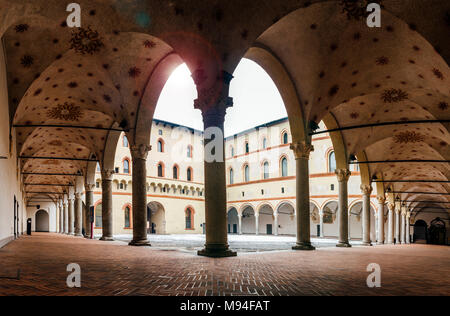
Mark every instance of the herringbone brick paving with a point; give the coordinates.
(113, 268)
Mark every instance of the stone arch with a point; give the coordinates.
(355, 220)
(42, 221)
(314, 212)
(248, 219)
(233, 220)
(286, 218)
(156, 216)
(330, 223)
(266, 218)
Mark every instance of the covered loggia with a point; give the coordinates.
(156, 217)
(355, 221)
(315, 221)
(42, 221)
(233, 221)
(286, 219)
(267, 221)
(248, 219)
(330, 225)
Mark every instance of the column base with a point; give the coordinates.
(79, 235)
(367, 244)
(139, 243)
(216, 251)
(107, 238)
(343, 245)
(380, 243)
(303, 246)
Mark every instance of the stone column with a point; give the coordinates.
(256, 223)
(343, 175)
(213, 103)
(408, 233)
(89, 202)
(390, 238)
(139, 155)
(402, 227)
(380, 219)
(240, 223)
(366, 191)
(275, 223)
(397, 223)
(66, 218)
(107, 210)
(71, 217)
(321, 224)
(302, 150)
(78, 214)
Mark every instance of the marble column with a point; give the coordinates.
(58, 208)
(66, 217)
(89, 202)
(107, 210)
(302, 151)
(407, 230)
(256, 223)
(71, 217)
(390, 237)
(78, 215)
(321, 223)
(380, 219)
(213, 102)
(343, 175)
(403, 227)
(366, 191)
(397, 223)
(240, 224)
(139, 155)
(275, 223)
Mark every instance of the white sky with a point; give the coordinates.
(256, 99)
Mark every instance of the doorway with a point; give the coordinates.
(42, 221)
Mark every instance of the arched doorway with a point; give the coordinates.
(354, 221)
(248, 220)
(156, 218)
(42, 221)
(266, 220)
(286, 220)
(420, 232)
(314, 222)
(330, 225)
(233, 221)
(437, 232)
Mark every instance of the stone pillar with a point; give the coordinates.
(213, 103)
(139, 155)
(71, 217)
(380, 219)
(275, 223)
(343, 175)
(402, 227)
(302, 150)
(78, 214)
(240, 223)
(66, 218)
(321, 224)
(107, 212)
(256, 223)
(390, 237)
(366, 191)
(408, 233)
(397, 223)
(89, 202)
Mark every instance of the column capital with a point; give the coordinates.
(343, 175)
(391, 206)
(366, 189)
(70, 200)
(215, 96)
(302, 150)
(107, 174)
(140, 151)
(381, 199)
(89, 187)
(78, 195)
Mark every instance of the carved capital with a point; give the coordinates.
(302, 150)
(391, 207)
(343, 174)
(89, 187)
(366, 189)
(214, 96)
(78, 195)
(107, 174)
(381, 199)
(140, 151)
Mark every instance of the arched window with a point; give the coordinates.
(247, 148)
(125, 141)
(98, 167)
(175, 172)
(98, 216)
(160, 170)
(127, 217)
(126, 166)
(284, 167)
(285, 138)
(231, 176)
(246, 173)
(189, 174)
(189, 219)
(160, 146)
(264, 143)
(331, 162)
(189, 151)
(266, 170)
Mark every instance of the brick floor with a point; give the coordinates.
(117, 269)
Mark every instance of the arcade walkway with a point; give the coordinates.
(116, 269)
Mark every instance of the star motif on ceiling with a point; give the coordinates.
(394, 95)
(85, 41)
(408, 137)
(66, 112)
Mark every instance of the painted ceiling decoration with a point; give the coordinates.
(357, 9)
(66, 112)
(85, 41)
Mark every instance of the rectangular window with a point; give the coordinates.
(243, 193)
(282, 190)
(160, 132)
(332, 187)
(262, 192)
